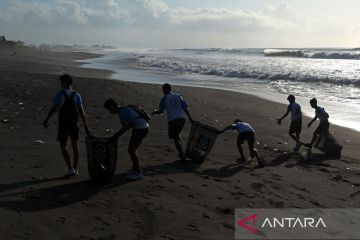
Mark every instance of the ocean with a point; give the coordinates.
(330, 75)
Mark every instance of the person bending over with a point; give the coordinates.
(131, 118)
(246, 133)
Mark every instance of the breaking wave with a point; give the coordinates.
(191, 68)
(351, 54)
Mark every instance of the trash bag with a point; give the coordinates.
(329, 145)
(102, 156)
(200, 142)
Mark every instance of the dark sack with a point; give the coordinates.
(143, 114)
(102, 156)
(329, 145)
(200, 142)
(68, 112)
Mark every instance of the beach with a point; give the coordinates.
(173, 201)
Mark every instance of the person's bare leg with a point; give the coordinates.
(313, 139)
(241, 151)
(178, 145)
(65, 153)
(254, 153)
(134, 158)
(75, 149)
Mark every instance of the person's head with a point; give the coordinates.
(237, 120)
(166, 87)
(66, 81)
(291, 98)
(111, 106)
(313, 103)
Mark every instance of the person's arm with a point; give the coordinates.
(126, 122)
(189, 115)
(56, 104)
(284, 116)
(82, 112)
(121, 131)
(185, 108)
(313, 120)
(83, 118)
(49, 115)
(162, 107)
(226, 129)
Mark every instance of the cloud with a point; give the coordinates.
(61, 11)
(154, 20)
(141, 13)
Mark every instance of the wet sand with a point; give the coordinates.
(173, 201)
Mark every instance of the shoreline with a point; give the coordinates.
(173, 201)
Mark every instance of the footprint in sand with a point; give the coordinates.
(225, 211)
(219, 180)
(185, 187)
(193, 228)
(315, 203)
(257, 186)
(190, 196)
(276, 176)
(167, 238)
(323, 170)
(276, 204)
(170, 180)
(205, 216)
(230, 226)
(355, 193)
(338, 178)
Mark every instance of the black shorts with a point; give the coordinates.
(322, 128)
(68, 130)
(175, 127)
(246, 136)
(295, 126)
(137, 136)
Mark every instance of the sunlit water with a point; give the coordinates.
(330, 75)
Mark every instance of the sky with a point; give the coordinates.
(184, 23)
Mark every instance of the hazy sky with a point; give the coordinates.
(184, 23)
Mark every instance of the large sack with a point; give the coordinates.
(200, 142)
(101, 155)
(329, 145)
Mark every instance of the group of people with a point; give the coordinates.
(296, 122)
(69, 105)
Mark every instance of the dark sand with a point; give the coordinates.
(173, 201)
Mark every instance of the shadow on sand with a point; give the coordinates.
(309, 159)
(33, 200)
(177, 168)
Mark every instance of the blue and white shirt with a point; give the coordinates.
(295, 111)
(128, 115)
(241, 127)
(174, 105)
(59, 98)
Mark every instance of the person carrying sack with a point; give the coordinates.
(135, 118)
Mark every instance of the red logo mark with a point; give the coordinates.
(247, 227)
